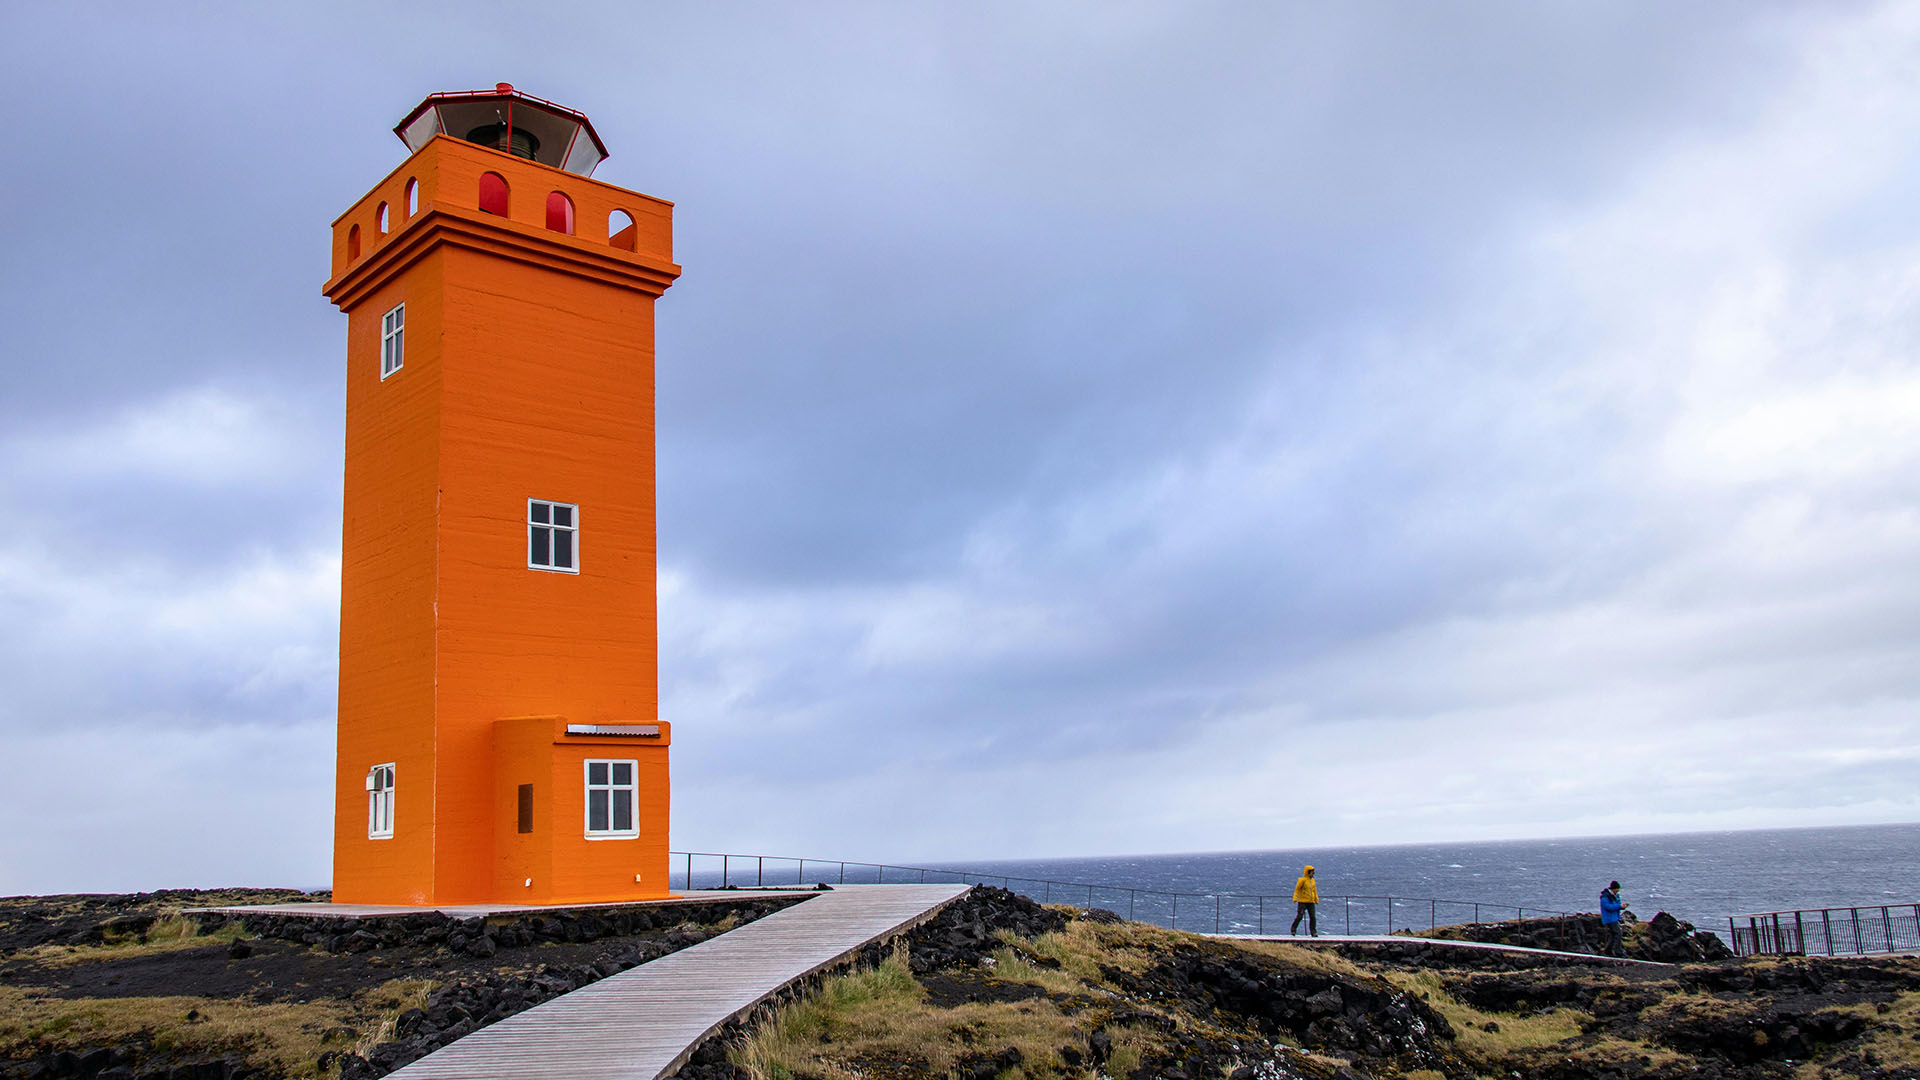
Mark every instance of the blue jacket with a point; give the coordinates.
(1609, 907)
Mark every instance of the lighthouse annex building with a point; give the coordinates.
(499, 736)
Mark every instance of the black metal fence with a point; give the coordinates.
(1201, 912)
(1847, 931)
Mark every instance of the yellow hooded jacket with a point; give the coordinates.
(1305, 891)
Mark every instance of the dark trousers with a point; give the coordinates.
(1614, 947)
(1313, 920)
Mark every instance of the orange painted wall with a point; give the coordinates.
(562, 864)
(387, 593)
(529, 374)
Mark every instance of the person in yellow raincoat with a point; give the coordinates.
(1306, 898)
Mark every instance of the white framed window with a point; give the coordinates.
(380, 802)
(393, 340)
(553, 530)
(612, 791)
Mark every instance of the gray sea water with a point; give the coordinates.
(1699, 877)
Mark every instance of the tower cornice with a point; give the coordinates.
(435, 226)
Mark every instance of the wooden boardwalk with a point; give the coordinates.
(642, 1023)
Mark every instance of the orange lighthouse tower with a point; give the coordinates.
(499, 737)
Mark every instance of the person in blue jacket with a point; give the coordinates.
(1610, 909)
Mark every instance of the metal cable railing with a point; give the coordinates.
(1224, 912)
(1845, 931)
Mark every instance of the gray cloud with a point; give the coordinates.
(1164, 427)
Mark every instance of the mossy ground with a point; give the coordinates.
(284, 1038)
(1034, 1011)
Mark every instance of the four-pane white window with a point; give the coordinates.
(552, 529)
(380, 802)
(612, 790)
(393, 340)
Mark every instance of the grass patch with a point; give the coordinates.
(1306, 958)
(383, 1005)
(1079, 950)
(287, 1036)
(1511, 1034)
(878, 1022)
(1009, 966)
(1891, 1038)
(283, 1037)
(170, 933)
(1515, 1039)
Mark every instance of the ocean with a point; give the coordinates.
(1699, 877)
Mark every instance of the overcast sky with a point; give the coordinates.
(1084, 428)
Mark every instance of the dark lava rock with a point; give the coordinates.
(966, 931)
(1366, 1018)
(1664, 939)
(1774, 1033)
(1672, 941)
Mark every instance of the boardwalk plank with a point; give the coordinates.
(642, 1023)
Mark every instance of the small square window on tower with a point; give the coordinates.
(380, 802)
(611, 792)
(393, 340)
(552, 536)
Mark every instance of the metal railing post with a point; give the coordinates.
(1826, 928)
(1263, 913)
(1173, 920)
(1433, 914)
(759, 871)
(1476, 914)
(1887, 921)
(1799, 935)
(689, 870)
(723, 870)
(1349, 907)
(1855, 912)
(1733, 936)
(1216, 913)
(1129, 905)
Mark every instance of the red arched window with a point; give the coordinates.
(493, 194)
(380, 219)
(560, 213)
(620, 230)
(413, 196)
(353, 243)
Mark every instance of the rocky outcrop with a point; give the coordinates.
(1663, 939)
(1320, 1010)
(967, 930)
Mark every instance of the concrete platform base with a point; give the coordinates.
(467, 911)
